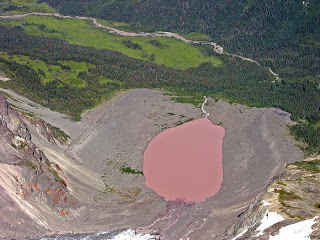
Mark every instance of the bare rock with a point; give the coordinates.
(27, 173)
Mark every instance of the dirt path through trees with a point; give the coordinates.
(215, 47)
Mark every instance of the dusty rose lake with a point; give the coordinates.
(185, 162)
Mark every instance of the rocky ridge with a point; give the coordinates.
(109, 200)
(294, 195)
(26, 173)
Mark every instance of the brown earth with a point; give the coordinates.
(256, 148)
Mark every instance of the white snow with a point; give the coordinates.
(269, 219)
(240, 234)
(298, 231)
(125, 235)
(131, 235)
(265, 203)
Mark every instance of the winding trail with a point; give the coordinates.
(202, 107)
(216, 48)
(274, 74)
(4, 79)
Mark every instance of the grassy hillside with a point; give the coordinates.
(70, 65)
(66, 71)
(167, 51)
(10, 7)
(42, 71)
(284, 35)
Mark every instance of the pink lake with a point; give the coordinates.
(185, 162)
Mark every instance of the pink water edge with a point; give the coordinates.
(185, 162)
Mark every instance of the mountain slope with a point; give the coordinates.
(282, 34)
(296, 57)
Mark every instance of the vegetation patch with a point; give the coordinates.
(29, 164)
(156, 43)
(281, 183)
(128, 170)
(196, 36)
(175, 54)
(10, 7)
(308, 132)
(236, 80)
(58, 134)
(132, 45)
(312, 166)
(68, 72)
(286, 196)
(57, 177)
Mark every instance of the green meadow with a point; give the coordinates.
(10, 7)
(65, 71)
(162, 51)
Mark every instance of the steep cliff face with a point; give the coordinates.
(296, 194)
(27, 176)
(291, 200)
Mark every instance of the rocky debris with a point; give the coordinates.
(315, 235)
(10, 119)
(52, 134)
(26, 169)
(295, 195)
(248, 221)
(112, 136)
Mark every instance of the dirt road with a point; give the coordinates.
(216, 48)
(206, 114)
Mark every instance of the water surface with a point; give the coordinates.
(185, 162)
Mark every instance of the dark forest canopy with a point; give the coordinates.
(237, 80)
(282, 34)
(214, 16)
(222, 20)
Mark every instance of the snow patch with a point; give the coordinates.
(125, 235)
(269, 219)
(240, 234)
(131, 235)
(298, 231)
(265, 203)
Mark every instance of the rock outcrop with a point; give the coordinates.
(26, 173)
(104, 141)
(295, 195)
